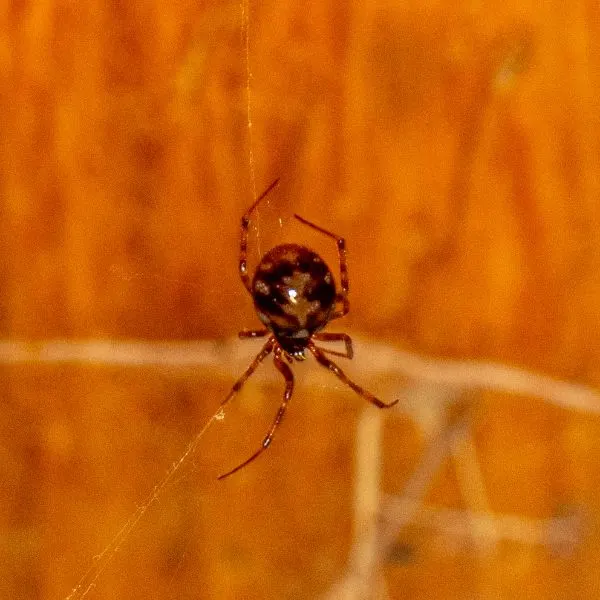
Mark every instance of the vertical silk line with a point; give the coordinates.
(246, 35)
(245, 15)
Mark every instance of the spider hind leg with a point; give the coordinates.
(243, 260)
(342, 297)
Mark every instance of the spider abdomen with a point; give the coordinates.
(294, 294)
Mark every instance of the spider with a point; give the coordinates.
(295, 297)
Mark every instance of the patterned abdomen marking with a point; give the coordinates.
(294, 293)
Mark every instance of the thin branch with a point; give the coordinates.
(383, 361)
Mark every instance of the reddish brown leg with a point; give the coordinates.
(244, 238)
(253, 333)
(266, 350)
(287, 394)
(344, 283)
(336, 337)
(323, 360)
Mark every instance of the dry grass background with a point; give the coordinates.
(454, 145)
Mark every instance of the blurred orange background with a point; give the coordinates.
(456, 148)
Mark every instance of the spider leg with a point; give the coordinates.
(253, 333)
(344, 282)
(244, 238)
(336, 337)
(287, 394)
(266, 350)
(323, 360)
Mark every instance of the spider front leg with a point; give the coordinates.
(336, 337)
(287, 394)
(344, 281)
(323, 360)
(266, 350)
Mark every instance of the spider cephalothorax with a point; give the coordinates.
(295, 297)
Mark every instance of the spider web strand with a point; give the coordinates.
(245, 13)
(102, 560)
